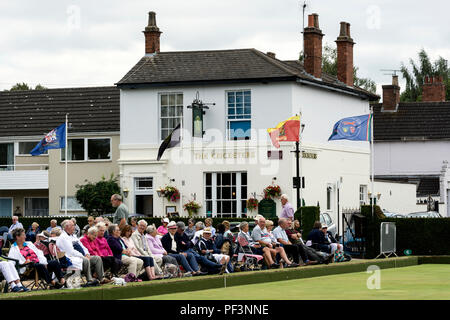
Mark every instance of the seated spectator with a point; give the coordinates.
(55, 253)
(27, 253)
(120, 251)
(9, 271)
(149, 263)
(42, 244)
(33, 230)
(245, 240)
(98, 219)
(186, 246)
(294, 236)
(133, 222)
(185, 259)
(53, 224)
(15, 224)
(296, 250)
(277, 246)
(199, 226)
(156, 247)
(91, 223)
(97, 245)
(74, 249)
(331, 241)
(297, 226)
(141, 244)
(107, 224)
(190, 230)
(227, 234)
(208, 224)
(77, 230)
(317, 240)
(206, 247)
(261, 236)
(220, 239)
(162, 230)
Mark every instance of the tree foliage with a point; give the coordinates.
(23, 86)
(329, 66)
(415, 76)
(95, 198)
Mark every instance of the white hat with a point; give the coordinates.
(207, 230)
(324, 225)
(42, 235)
(172, 224)
(166, 220)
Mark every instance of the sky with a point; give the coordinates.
(79, 43)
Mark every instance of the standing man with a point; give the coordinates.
(121, 214)
(288, 211)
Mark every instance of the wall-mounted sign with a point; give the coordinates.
(309, 155)
(275, 155)
(197, 122)
(225, 155)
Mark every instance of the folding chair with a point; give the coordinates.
(246, 259)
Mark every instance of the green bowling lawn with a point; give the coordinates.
(421, 282)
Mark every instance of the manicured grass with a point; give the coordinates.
(421, 282)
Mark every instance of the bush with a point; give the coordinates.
(95, 198)
(307, 216)
(44, 222)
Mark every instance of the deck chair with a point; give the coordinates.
(70, 273)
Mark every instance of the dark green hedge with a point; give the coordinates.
(307, 216)
(423, 236)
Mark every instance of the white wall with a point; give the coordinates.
(397, 197)
(410, 158)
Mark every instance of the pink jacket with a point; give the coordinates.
(162, 230)
(155, 246)
(103, 247)
(90, 245)
(130, 244)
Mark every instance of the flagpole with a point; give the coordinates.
(300, 161)
(65, 173)
(372, 162)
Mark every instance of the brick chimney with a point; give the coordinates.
(152, 35)
(391, 95)
(345, 55)
(433, 89)
(312, 44)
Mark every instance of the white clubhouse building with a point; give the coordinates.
(235, 159)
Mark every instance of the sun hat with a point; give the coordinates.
(172, 225)
(42, 235)
(207, 230)
(166, 220)
(324, 226)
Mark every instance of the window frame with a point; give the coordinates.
(62, 209)
(160, 94)
(86, 152)
(17, 149)
(25, 202)
(228, 120)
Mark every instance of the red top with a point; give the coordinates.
(103, 247)
(29, 254)
(91, 246)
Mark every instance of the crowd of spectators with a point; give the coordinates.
(101, 250)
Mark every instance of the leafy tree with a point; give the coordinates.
(23, 86)
(95, 198)
(329, 66)
(416, 76)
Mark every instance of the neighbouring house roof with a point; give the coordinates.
(426, 185)
(414, 121)
(36, 112)
(219, 66)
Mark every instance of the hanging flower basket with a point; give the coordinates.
(272, 191)
(252, 204)
(171, 193)
(192, 207)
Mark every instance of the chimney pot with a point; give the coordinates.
(345, 55)
(395, 80)
(433, 89)
(271, 54)
(152, 35)
(312, 44)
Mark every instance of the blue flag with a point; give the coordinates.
(55, 139)
(353, 128)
